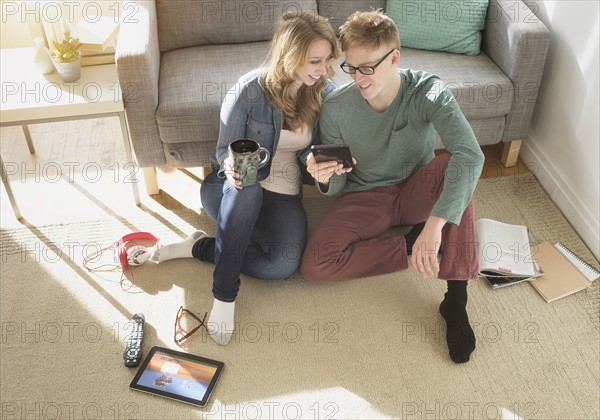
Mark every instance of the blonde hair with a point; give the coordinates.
(294, 34)
(371, 29)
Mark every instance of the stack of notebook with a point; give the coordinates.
(564, 272)
(98, 38)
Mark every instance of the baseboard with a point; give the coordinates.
(585, 223)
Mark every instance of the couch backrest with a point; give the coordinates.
(337, 11)
(189, 23)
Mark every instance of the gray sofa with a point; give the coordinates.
(177, 59)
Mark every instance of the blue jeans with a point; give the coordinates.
(259, 233)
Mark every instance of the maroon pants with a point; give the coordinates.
(348, 242)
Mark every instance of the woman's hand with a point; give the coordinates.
(323, 171)
(231, 174)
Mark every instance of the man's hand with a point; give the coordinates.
(323, 171)
(425, 250)
(231, 174)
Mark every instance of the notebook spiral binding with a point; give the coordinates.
(584, 268)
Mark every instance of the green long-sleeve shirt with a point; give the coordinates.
(389, 146)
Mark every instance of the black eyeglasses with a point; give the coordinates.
(366, 70)
(181, 334)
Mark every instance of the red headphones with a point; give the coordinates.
(122, 247)
(125, 255)
(136, 236)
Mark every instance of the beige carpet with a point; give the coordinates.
(368, 348)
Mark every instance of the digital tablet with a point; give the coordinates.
(178, 376)
(329, 152)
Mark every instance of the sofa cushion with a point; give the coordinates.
(440, 25)
(480, 88)
(194, 82)
(190, 23)
(338, 11)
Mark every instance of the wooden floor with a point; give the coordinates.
(81, 163)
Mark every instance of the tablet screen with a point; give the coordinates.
(177, 375)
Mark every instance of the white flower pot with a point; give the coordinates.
(69, 71)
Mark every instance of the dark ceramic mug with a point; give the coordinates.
(245, 155)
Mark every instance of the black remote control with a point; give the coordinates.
(133, 350)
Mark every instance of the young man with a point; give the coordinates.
(388, 117)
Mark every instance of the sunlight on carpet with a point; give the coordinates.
(368, 348)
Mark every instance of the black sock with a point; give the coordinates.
(204, 249)
(411, 237)
(459, 334)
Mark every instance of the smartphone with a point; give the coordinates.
(329, 152)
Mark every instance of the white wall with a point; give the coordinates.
(14, 31)
(22, 19)
(564, 136)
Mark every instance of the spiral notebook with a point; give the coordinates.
(564, 272)
(589, 272)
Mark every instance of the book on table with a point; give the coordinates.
(504, 253)
(98, 40)
(97, 34)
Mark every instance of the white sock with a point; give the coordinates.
(220, 321)
(181, 249)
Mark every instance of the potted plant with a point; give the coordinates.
(67, 58)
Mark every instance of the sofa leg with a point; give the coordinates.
(151, 180)
(510, 153)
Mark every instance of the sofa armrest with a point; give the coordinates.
(138, 62)
(517, 41)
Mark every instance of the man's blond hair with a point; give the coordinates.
(372, 29)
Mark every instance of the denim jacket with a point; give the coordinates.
(246, 112)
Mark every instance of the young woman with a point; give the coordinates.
(261, 229)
